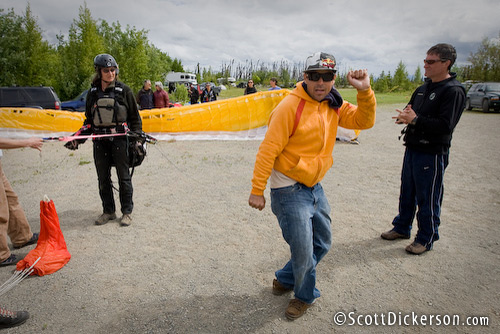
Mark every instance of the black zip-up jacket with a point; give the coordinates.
(438, 106)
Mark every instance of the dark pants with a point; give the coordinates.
(106, 154)
(422, 187)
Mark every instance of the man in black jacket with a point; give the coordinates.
(145, 96)
(430, 117)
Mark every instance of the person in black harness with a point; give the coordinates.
(111, 110)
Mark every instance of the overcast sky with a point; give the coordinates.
(376, 35)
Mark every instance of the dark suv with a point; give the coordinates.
(484, 95)
(29, 97)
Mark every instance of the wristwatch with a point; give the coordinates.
(414, 121)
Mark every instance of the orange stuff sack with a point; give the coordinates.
(51, 247)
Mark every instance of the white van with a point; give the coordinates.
(174, 78)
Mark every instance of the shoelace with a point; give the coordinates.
(6, 313)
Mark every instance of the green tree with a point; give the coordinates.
(30, 60)
(486, 61)
(381, 85)
(177, 65)
(159, 64)
(180, 94)
(417, 78)
(400, 81)
(77, 54)
(11, 26)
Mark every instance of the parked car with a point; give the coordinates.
(29, 97)
(484, 95)
(77, 104)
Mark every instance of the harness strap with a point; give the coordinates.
(298, 114)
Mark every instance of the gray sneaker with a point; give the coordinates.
(104, 218)
(12, 318)
(126, 220)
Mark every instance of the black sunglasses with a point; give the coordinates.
(107, 70)
(432, 61)
(326, 76)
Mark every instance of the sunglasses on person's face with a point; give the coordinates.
(432, 61)
(326, 76)
(107, 70)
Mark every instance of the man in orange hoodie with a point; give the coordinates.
(295, 155)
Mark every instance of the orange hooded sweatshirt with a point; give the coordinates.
(306, 156)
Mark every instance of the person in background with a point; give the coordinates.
(160, 96)
(194, 94)
(250, 89)
(430, 118)
(111, 110)
(13, 222)
(274, 84)
(208, 94)
(295, 155)
(145, 96)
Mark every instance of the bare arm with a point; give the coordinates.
(33, 142)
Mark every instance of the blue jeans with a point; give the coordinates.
(422, 187)
(304, 217)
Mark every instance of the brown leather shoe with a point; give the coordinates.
(416, 248)
(279, 289)
(393, 235)
(296, 308)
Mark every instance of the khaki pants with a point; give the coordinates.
(13, 221)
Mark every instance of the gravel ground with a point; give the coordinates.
(198, 259)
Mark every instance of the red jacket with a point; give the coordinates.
(160, 98)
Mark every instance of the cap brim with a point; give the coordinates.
(322, 69)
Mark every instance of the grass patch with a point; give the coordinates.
(348, 94)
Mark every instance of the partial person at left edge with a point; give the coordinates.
(13, 221)
(111, 110)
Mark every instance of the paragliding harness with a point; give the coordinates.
(109, 114)
(109, 110)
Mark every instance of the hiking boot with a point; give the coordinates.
(416, 248)
(33, 240)
(393, 235)
(296, 308)
(126, 220)
(104, 218)
(279, 289)
(12, 259)
(12, 318)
